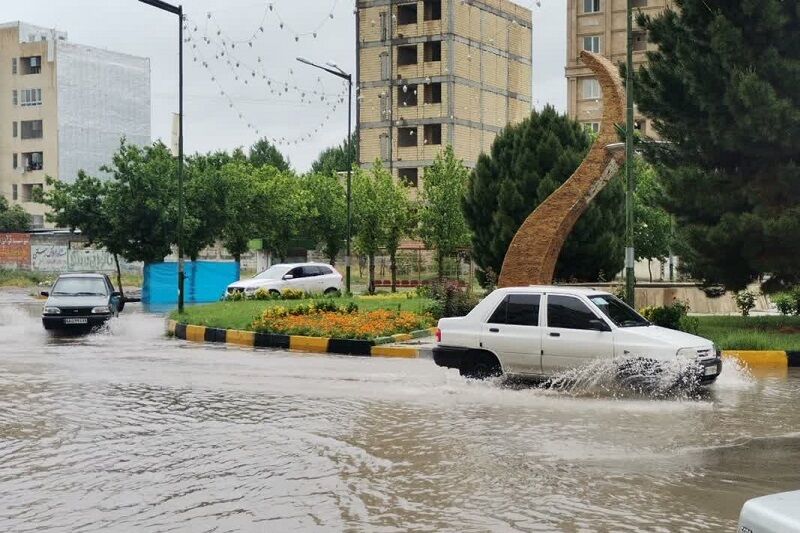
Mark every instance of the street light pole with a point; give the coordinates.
(630, 279)
(177, 10)
(338, 72)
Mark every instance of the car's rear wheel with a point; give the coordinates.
(274, 293)
(480, 365)
(332, 291)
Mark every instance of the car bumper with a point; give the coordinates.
(709, 370)
(449, 356)
(74, 322)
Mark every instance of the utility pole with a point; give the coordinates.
(630, 185)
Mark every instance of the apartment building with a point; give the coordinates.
(438, 72)
(600, 26)
(63, 108)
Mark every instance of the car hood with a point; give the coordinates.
(665, 336)
(76, 301)
(253, 283)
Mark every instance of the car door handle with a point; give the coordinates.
(494, 330)
(554, 334)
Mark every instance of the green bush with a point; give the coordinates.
(673, 316)
(745, 301)
(785, 303)
(449, 299)
(292, 294)
(795, 296)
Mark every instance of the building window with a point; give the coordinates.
(591, 6)
(592, 127)
(433, 51)
(14, 129)
(590, 89)
(27, 192)
(14, 192)
(407, 95)
(433, 93)
(33, 161)
(384, 141)
(14, 97)
(32, 65)
(31, 129)
(433, 10)
(13, 65)
(406, 55)
(409, 176)
(384, 26)
(639, 41)
(407, 14)
(433, 134)
(591, 43)
(37, 221)
(386, 68)
(30, 97)
(406, 137)
(15, 161)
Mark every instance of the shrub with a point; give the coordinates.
(339, 323)
(795, 296)
(292, 294)
(785, 303)
(449, 299)
(745, 301)
(672, 316)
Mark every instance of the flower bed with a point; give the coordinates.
(324, 319)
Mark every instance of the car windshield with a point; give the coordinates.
(618, 311)
(273, 272)
(80, 287)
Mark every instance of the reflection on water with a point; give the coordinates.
(127, 430)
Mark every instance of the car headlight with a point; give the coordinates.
(687, 352)
(52, 311)
(101, 310)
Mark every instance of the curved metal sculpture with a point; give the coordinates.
(531, 257)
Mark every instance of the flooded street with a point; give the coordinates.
(130, 431)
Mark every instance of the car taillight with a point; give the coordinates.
(438, 335)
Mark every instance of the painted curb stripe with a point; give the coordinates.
(794, 358)
(402, 337)
(171, 327)
(308, 344)
(196, 333)
(215, 335)
(180, 331)
(240, 338)
(395, 351)
(350, 347)
(763, 358)
(271, 340)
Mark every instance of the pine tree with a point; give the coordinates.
(527, 162)
(723, 92)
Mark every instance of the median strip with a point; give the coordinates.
(354, 347)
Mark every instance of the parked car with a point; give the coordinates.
(544, 330)
(80, 302)
(312, 278)
(776, 513)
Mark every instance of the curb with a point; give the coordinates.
(301, 343)
(765, 358)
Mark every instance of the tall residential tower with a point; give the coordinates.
(438, 72)
(64, 108)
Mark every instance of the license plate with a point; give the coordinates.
(76, 321)
(711, 371)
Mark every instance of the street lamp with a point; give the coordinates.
(630, 256)
(177, 10)
(333, 68)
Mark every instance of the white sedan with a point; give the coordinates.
(311, 278)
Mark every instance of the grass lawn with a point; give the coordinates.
(753, 332)
(240, 315)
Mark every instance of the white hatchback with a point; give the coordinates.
(311, 278)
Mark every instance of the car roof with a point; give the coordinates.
(292, 265)
(562, 289)
(82, 275)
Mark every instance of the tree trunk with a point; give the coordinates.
(440, 265)
(371, 286)
(119, 278)
(650, 269)
(238, 259)
(393, 268)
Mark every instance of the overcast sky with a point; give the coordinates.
(211, 123)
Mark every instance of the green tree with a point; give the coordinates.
(334, 159)
(527, 162)
(368, 219)
(281, 207)
(205, 198)
(241, 208)
(264, 153)
(13, 218)
(442, 222)
(397, 214)
(652, 234)
(722, 90)
(327, 213)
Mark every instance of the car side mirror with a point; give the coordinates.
(598, 325)
(288, 276)
(46, 294)
(116, 294)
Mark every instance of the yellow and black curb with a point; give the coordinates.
(765, 358)
(364, 348)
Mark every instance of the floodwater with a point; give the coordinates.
(130, 431)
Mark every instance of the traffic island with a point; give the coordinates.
(379, 347)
